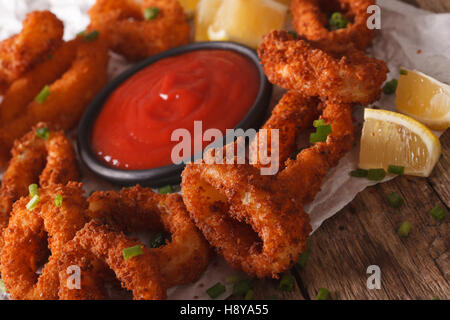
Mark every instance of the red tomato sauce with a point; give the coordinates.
(133, 130)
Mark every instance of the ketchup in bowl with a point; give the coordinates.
(133, 129)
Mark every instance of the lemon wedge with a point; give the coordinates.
(205, 15)
(424, 98)
(390, 138)
(189, 6)
(246, 21)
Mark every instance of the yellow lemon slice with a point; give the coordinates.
(205, 14)
(424, 98)
(247, 21)
(390, 138)
(189, 6)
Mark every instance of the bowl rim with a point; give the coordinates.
(169, 174)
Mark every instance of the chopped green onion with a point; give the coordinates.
(436, 298)
(304, 256)
(403, 72)
(323, 294)
(159, 240)
(396, 170)
(233, 279)
(394, 199)
(404, 229)
(43, 133)
(286, 283)
(338, 21)
(318, 123)
(438, 213)
(81, 33)
(33, 202)
(151, 13)
(359, 173)
(216, 290)
(376, 174)
(43, 95)
(165, 189)
(132, 252)
(33, 189)
(2, 287)
(58, 200)
(91, 36)
(390, 87)
(321, 134)
(293, 34)
(249, 295)
(241, 287)
(50, 57)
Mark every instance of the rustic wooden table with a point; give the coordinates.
(364, 233)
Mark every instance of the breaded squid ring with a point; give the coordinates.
(299, 65)
(257, 222)
(293, 114)
(311, 22)
(128, 33)
(138, 209)
(75, 74)
(47, 161)
(139, 274)
(41, 34)
(29, 233)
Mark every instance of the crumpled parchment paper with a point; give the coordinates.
(409, 37)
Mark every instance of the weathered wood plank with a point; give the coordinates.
(364, 234)
(440, 177)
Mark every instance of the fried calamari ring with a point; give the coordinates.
(29, 233)
(138, 209)
(41, 34)
(293, 114)
(311, 22)
(47, 161)
(73, 79)
(139, 274)
(129, 33)
(257, 222)
(299, 65)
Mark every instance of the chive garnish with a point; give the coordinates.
(394, 199)
(43, 95)
(165, 189)
(132, 252)
(304, 256)
(438, 213)
(338, 21)
(321, 134)
(403, 72)
(359, 173)
(91, 36)
(376, 174)
(58, 200)
(286, 283)
(396, 170)
(151, 13)
(241, 287)
(323, 294)
(390, 87)
(43, 133)
(33, 189)
(33, 202)
(159, 240)
(404, 229)
(216, 290)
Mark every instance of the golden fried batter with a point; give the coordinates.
(123, 24)
(41, 34)
(299, 65)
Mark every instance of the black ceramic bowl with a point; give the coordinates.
(170, 174)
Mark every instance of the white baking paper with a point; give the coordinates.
(409, 37)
